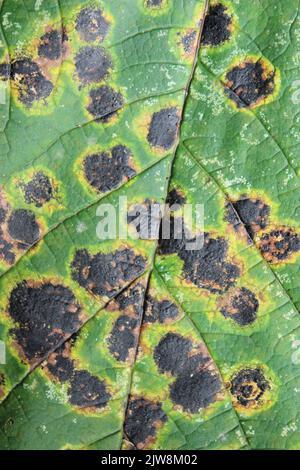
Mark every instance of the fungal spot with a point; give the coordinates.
(122, 342)
(22, 226)
(253, 213)
(45, 315)
(153, 3)
(194, 390)
(30, 82)
(107, 170)
(206, 267)
(38, 191)
(59, 363)
(164, 128)
(175, 198)
(162, 311)
(51, 45)
(145, 218)
(248, 387)
(239, 304)
(249, 83)
(143, 420)
(217, 26)
(170, 355)
(92, 64)
(279, 244)
(5, 71)
(189, 42)
(91, 25)
(104, 103)
(105, 274)
(87, 391)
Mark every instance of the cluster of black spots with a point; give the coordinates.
(85, 390)
(164, 128)
(175, 198)
(241, 305)
(105, 274)
(104, 103)
(253, 213)
(31, 83)
(91, 25)
(22, 226)
(249, 83)
(44, 315)
(206, 267)
(107, 170)
(248, 387)
(143, 419)
(123, 338)
(217, 24)
(160, 311)
(38, 190)
(279, 244)
(5, 71)
(92, 64)
(188, 42)
(196, 386)
(145, 218)
(51, 44)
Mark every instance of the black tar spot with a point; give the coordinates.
(216, 28)
(205, 267)
(38, 191)
(253, 213)
(5, 71)
(122, 338)
(145, 218)
(92, 64)
(6, 248)
(91, 25)
(248, 386)
(142, 421)
(51, 45)
(105, 102)
(60, 365)
(31, 83)
(241, 305)
(175, 197)
(105, 274)
(160, 311)
(163, 128)
(153, 3)
(44, 316)
(87, 391)
(23, 227)
(247, 83)
(279, 244)
(170, 355)
(107, 170)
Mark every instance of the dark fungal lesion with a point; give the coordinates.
(253, 212)
(85, 390)
(23, 227)
(145, 219)
(163, 128)
(175, 198)
(248, 386)
(240, 305)
(161, 311)
(91, 24)
(217, 25)
(207, 267)
(108, 169)
(197, 382)
(92, 64)
(279, 244)
(105, 274)
(45, 314)
(104, 103)
(249, 83)
(143, 420)
(39, 190)
(52, 44)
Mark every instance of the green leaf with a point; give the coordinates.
(144, 343)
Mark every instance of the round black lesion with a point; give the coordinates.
(87, 390)
(254, 214)
(92, 64)
(104, 103)
(104, 274)
(44, 315)
(170, 355)
(31, 84)
(107, 170)
(241, 305)
(279, 244)
(175, 198)
(38, 190)
(123, 337)
(23, 227)
(143, 419)
(249, 83)
(217, 26)
(248, 387)
(163, 128)
(161, 311)
(153, 3)
(91, 24)
(51, 44)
